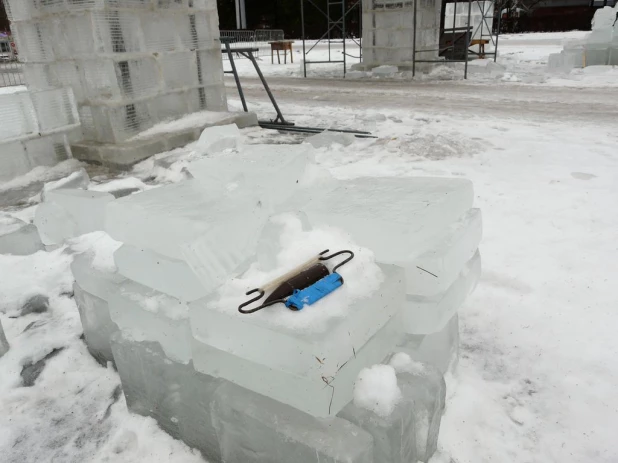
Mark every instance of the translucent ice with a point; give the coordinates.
(271, 173)
(436, 269)
(4, 344)
(77, 180)
(216, 139)
(253, 428)
(215, 236)
(70, 213)
(410, 432)
(426, 315)
(97, 324)
(394, 217)
(439, 349)
(170, 276)
(18, 237)
(144, 314)
(328, 138)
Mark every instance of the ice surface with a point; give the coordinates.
(376, 390)
(385, 71)
(187, 222)
(271, 173)
(97, 324)
(435, 270)
(328, 138)
(18, 237)
(317, 395)
(439, 349)
(70, 213)
(4, 344)
(394, 217)
(426, 315)
(253, 428)
(77, 180)
(216, 139)
(409, 433)
(144, 314)
(170, 276)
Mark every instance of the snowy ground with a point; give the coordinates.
(539, 367)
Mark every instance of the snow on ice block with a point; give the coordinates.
(328, 138)
(144, 314)
(394, 217)
(427, 315)
(314, 342)
(439, 349)
(216, 139)
(77, 180)
(99, 280)
(18, 237)
(316, 394)
(4, 344)
(185, 221)
(272, 173)
(70, 213)
(97, 324)
(435, 270)
(254, 428)
(170, 276)
(409, 433)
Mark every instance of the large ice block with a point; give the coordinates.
(219, 138)
(409, 433)
(170, 276)
(317, 394)
(18, 237)
(435, 270)
(4, 344)
(310, 347)
(426, 315)
(271, 173)
(254, 428)
(98, 281)
(70, 213)
(394, 217)
(97, 324)
(439, 349)
(144, 314)
(215, 235)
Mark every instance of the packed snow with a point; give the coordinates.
(537, 374)
(376, 389)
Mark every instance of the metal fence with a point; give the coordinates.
(11, 74)
(253, 39)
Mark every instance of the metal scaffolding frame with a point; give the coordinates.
(466, 33)
(336, 15)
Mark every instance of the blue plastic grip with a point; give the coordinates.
(315, 292)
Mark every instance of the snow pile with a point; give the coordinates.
(376, 389)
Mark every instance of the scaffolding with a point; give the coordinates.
(336, 14)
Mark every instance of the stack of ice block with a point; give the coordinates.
(389, 30)
(131, 63)
(37, 129)
(229, 383)
(598, 48)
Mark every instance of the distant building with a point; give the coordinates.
(560, 15)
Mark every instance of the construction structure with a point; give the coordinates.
(122, 60)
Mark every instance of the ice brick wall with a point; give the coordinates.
(131, 63)
(37, 130)
(389, 29)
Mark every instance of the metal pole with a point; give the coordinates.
(468, 37)
(243, 15)
(238, 20)
(249, 54)
(345, 59)
(302, 20)
(414, 40)
(228, 48)
(453, 31)
(360, 29)
(328, 26)
(498, 30)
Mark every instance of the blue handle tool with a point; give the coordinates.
(315, 292)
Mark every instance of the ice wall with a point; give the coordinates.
(598, 48)
(131, 63)
(388, 31)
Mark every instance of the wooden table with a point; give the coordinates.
(481, 43)
(281, 45)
